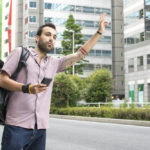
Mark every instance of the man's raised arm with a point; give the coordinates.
(85, 49)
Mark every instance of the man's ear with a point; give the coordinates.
(37, 38)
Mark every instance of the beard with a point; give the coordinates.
(43, 47)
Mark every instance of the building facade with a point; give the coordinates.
(118, 49)
(8, 27)
(33, 13)
(137, 50)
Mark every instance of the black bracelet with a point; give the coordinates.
(25, 88)
(99, 33)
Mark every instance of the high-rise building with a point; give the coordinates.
(8, 27)
(32, 13)
(117, 49)
(137, 50)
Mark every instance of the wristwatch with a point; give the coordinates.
(99, 33)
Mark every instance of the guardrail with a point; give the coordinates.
(118, 103)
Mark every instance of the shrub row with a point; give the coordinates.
(122, 113)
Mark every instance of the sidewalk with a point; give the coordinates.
(104, 120)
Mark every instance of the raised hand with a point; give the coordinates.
(102, 23)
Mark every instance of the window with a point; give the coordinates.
(142, 36)
(48, 6)
(51, 51)
(79, 22)
(47, 19)
(6, 17)
(98, 10)
(32, 34)
(7, 4)
(147, 2)
(105, 39)
(89, 67)
(32, 18)
(140, 63)
(107, 66)
(135, 38)
(106, 53)
(59, 36)
(88, 23)
(6, 54)
(32, 4)
(91, 53)
(98, 53)
(131, 65)
(58, 50)
(141, 13)
(107, 11)
(6, 29)
(88, 9)
(78, 9)
(148, 61)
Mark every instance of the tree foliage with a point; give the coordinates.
(65, 91)
(81, 84)
(100, 86)
(67, 42)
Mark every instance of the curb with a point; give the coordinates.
(104, 120)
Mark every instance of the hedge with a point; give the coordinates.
(121, 113)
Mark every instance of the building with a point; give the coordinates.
(137, 50)
(32, 13)
(117, 49)
(8, 35)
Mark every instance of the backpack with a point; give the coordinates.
(4, 94)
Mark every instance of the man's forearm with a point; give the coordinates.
(91, 42)
(9, 84)
(80, 54)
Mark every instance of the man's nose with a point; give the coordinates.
(51, 38)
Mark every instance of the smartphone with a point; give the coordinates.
(46, 81)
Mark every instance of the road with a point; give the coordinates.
(83, 135)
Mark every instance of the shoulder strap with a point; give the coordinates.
(22, 63)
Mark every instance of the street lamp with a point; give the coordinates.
(73, 69)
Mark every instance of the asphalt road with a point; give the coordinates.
(83, 135)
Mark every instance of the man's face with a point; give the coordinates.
(47, 40)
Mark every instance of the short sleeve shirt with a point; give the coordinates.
(25, 109)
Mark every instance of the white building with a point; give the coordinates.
(137, 50)
(5, 16)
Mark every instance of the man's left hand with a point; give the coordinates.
(102, 23)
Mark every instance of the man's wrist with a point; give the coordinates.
(100, 33)
(25, 88)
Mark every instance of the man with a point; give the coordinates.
(28, 108)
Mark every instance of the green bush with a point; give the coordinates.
(65, 91)
(100, 85)
(105, 112)
(81, 84)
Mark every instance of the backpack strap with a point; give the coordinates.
(22, 63)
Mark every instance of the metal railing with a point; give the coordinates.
(118, 103)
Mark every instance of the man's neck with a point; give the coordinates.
(40, 54)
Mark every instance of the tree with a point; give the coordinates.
(99, 89)
(65, 91)
(67, 42)
(81, 84)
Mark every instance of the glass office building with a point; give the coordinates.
(137, 50)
